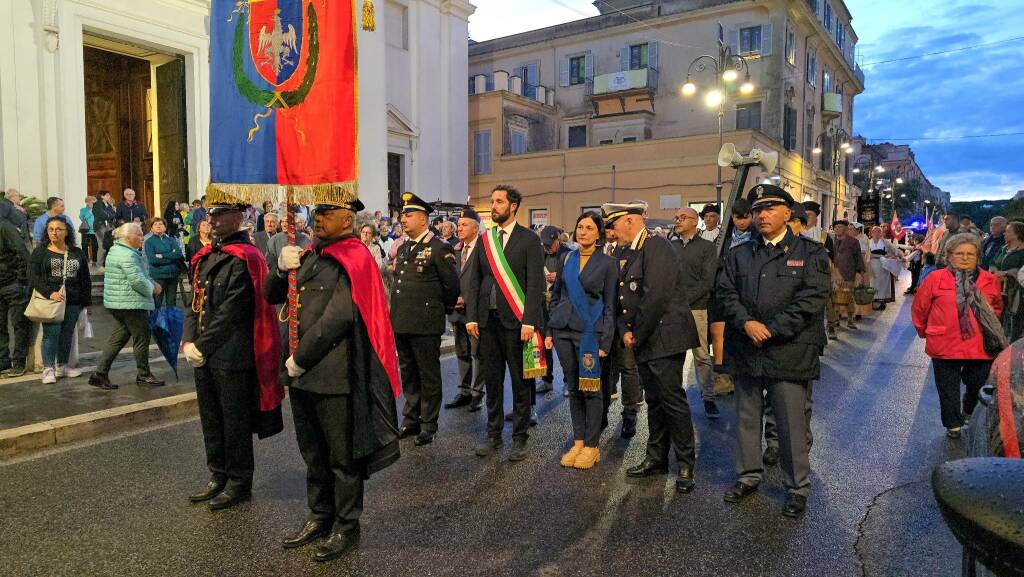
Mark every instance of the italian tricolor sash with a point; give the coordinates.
(534, 363)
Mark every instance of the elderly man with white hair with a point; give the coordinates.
(12, 211)
(280, 240)
(130, 210)
(994, 242)
(128, 294)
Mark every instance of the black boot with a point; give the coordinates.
(337, 545)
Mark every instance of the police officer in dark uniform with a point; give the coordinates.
(772, 293)
(425, 290)
(623, 360)
(654, 320)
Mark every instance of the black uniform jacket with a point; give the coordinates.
(326, 316)
(525, 257)
(653, 301)
(785, 287)
(466, 274)
(223, 329)
(600, 279)
(426, 286)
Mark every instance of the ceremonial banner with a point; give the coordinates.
(284, 99)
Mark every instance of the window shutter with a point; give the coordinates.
(732, 36)
(624, 58)
(563, 72)
(472, 85)
(588, 67)
(766, 39)
(652, 55)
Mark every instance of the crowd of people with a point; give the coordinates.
(361, 321)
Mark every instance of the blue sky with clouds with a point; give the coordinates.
(968, 93)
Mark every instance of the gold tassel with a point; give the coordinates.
(368, 16)
(590, 385)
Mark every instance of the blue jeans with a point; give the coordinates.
(57, 337)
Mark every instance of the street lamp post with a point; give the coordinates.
(838, 152)
(727, 67)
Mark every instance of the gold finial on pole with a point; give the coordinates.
(369, 22)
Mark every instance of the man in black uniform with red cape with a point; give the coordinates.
(230, 337)
(343, 372)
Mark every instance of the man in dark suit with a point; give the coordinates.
(425, 290)
(772, 293)
(502, 329)
(554, 257)
(261, 238)
(655, 321)
(467, 348)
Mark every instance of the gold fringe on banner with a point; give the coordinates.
(306, 194)
(369, 19)
(534, 373)
(590, 385)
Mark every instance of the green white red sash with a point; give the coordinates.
(534, 363)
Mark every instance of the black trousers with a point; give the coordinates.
(131, 325)
(949, 373)
(586, 409)
(228, 402)
(668, 412)
(467, 351)
(623, 365)
(334, 482)
(168, 292)
(91, 247)
(419, 360)
(16, 328)
(501, 348)
(915, 273)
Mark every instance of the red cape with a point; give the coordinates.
(266, 341)
(368, 296)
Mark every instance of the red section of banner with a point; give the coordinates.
(317, 139)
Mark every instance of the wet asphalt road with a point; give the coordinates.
(118, 506)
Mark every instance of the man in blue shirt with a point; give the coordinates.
(54, 207)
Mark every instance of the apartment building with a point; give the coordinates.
(898, 162)
(591, 111)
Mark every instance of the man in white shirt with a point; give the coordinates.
(712, 218)
(471, 388)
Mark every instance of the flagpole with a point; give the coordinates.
(293, 275)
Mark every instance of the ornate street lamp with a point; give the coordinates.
(844, 149)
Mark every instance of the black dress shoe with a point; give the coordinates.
(337, 545)
(739, 492)
(519, 451)
(628, 427)
(310, 532)
(795, 506)
(770, 456)
(476, 404)
(213, 488)
(424, 438)
(226, 500)
(408, 431)
(711, 410)
(101, 382)
(647, 468)
(487, 448)
(685, 483)
(148, 381)
(460, 400)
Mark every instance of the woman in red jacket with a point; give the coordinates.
(956, 310)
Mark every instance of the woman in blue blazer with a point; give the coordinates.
(582, 324)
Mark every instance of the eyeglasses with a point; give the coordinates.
(684, 218)
(965, 254)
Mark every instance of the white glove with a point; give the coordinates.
(294, 370)
(290, 258)
(193, 356)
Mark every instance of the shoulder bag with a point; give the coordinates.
(42, 309)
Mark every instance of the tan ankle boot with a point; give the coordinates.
(569, 458)
(587, 458)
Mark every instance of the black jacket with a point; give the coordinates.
(525, 256)
(129, 213)
(223, 331)
(19, 219)
(426, 286)
(785, 287)
(103, 216)
(41, 277)
(600, 279)
(653, 301)
(699, 259)
(326, 317)
(466, 274)
(14, 255)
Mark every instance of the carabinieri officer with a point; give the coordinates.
(425, 290)
(772, 294)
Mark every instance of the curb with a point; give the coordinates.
(30, 438)
(48, 434)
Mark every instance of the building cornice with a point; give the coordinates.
(459, 8)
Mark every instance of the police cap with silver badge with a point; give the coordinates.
(765, 195)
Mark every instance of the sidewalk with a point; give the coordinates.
(34, 416)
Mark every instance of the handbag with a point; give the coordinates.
(864, 295)
(44, 310)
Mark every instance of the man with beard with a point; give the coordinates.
(655, 322)
(425, 290)
(504, 310)
(230, 337)
(343, 372)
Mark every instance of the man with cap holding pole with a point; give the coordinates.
(772, 292)
(654, 321)
(230, 337)
(343, 371)
(554, 257)
(426, 288)
(467, 348)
